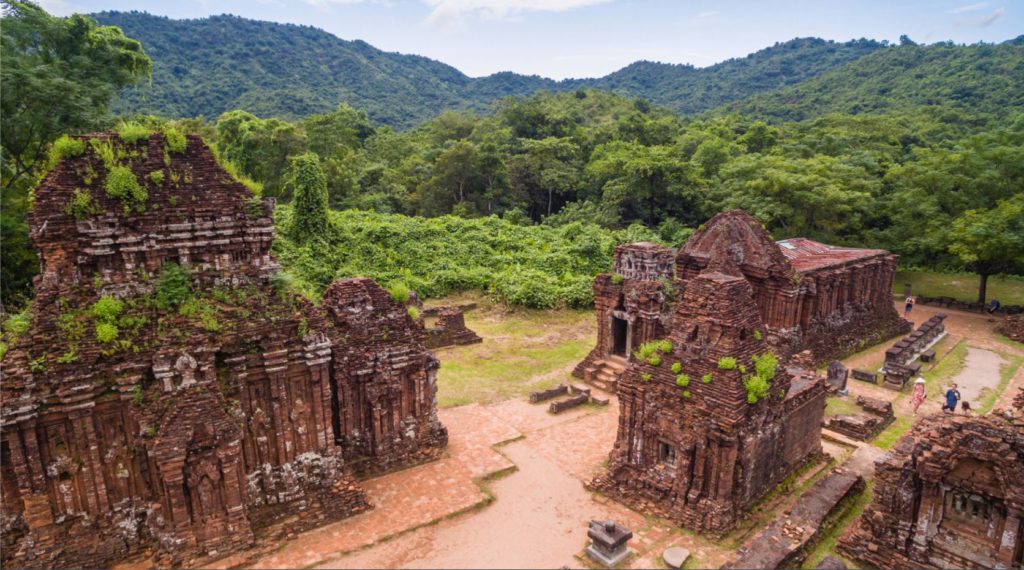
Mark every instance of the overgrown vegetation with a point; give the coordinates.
(82, 205)
(173, 286)
(122, 185)
(531, 266)
(759, 383)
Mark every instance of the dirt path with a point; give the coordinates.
(981, 370)
(535, 523)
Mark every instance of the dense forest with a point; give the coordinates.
(212, 65)
(527, 199)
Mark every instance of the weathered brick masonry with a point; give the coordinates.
(194, 430)
(947, 496)
(810, 296)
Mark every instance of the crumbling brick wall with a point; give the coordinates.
(947, 496)
(691, 444)
(449, 329)
(196, 428)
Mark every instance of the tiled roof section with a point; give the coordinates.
(807, 255)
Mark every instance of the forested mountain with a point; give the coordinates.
(982, 79)
(212, 65)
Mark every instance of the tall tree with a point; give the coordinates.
(991, 241)
(58, 76)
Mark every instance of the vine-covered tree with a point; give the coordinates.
(309, 187)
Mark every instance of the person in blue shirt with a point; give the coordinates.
(952, 397)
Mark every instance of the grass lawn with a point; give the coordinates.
(523, 351)
(961, 286)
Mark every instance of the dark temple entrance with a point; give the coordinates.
(619, 330)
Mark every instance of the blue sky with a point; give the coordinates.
(587, 38)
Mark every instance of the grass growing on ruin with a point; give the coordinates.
(960, 286)
(839, 405)
(827, 544)
(522, 351)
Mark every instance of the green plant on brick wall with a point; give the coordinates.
(617, 279)
(132, 132)
(706, 379)
(686, 394)
(176, 142)
(757, 335)
(645, 377)
(727, 363)
(654, 360)
(414, 313)
(399, 292)
(122, 185)
(157, 177)
(82, 205)
(759, 383)
(665, 346)
(677, 367)
(650, 349)
(682, 380)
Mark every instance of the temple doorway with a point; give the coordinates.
(619, 331)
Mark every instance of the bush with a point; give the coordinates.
(665, 346)
(157, 176)
(176, 141)
(682, 380)
(677, 367)
(759, 383)
(107, 309)
(66, 147)
(122, 185)
(17, 324)
(399, 293)
(686, 394)
(645, 377)
(173, 286)
(414, 313)
(106, 332)
(727, 363)
(654, 360)
(617, 279)
(706, 379)
(757, 335)
(131, 132)
(309, 197)
(82, 205)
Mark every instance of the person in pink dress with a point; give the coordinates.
(917, 398)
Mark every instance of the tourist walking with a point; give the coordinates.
(993, 306)
(917, 398)
(952, 397)
(908, 306)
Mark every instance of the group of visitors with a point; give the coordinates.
(953, 398)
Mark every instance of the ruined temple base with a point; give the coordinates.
(786, 541)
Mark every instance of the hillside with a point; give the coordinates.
(211, 65)
(981, 79)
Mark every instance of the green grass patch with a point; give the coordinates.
(522, 352)
(894, 432)
(839, 406)
(952, 364)
(960, 286)
(827, 544)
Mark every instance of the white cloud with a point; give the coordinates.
(325, 4)
(983, 21)
(968, 8)
(448, 13)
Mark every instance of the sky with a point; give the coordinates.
(591, 38)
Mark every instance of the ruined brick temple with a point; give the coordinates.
(949, 495)
(810, 296)
(134, 422)
(710, 420)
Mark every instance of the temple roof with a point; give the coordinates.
(807, 255)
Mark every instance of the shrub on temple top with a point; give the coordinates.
(617, 279)
(727, 363)
(310, 197)
(124, 186)
(759, 383)
(399, 293)
(176, 142)
(66, 147)
(82, 205)
(132, 132)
